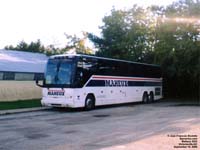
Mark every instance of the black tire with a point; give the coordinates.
(151, 97)
(89, 102)
(145, 98)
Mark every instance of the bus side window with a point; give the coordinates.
(105, 67)
(79, 77)
(89, 68)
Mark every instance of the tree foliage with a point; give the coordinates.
(32, 47)
(78, 44)
(124, 35)
(177, 49)
(36, 47)
(167, 36)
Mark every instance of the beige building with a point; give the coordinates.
(18, 72)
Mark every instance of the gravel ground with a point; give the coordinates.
(163, 125)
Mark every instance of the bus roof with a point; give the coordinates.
(92, 56)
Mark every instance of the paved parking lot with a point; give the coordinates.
(161, 125)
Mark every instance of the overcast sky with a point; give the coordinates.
(48, 20)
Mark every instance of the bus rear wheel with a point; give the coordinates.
(151, 97)
(145, 98)
(89, 102)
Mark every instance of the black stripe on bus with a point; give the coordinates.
(102, 83)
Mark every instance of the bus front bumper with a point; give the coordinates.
(57, 102)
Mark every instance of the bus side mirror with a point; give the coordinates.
(37, 83)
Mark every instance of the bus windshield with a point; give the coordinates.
(59, 72)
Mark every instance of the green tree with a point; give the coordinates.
(177, 47)
(32, 47)
(125, 35)
(169, 36)
(36, 47)
(73, 42)
(78, 44)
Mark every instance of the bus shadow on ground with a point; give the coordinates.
(165, 102)
(66, 109)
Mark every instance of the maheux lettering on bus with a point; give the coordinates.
(116, 83)
(56, 93)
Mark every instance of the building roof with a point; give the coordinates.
(18, 61)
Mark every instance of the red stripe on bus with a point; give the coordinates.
(126, 78)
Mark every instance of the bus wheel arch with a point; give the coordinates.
(145, 97)
(90, 102)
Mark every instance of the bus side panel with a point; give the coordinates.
(80, 95)
(113, 95)
(103, 95)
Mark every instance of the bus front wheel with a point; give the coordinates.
(89, 102)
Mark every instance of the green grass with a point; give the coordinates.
(20, 104)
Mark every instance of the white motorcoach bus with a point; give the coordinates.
(89, 81)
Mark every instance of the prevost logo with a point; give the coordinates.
(56, 92)
(116, 83)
